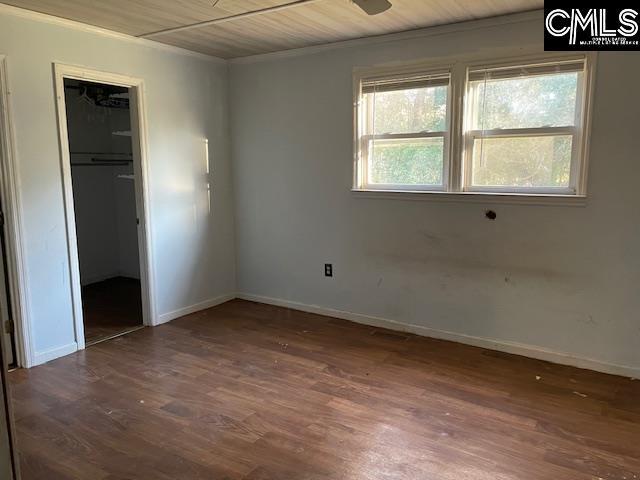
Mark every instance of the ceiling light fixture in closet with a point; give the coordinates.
(100, 95)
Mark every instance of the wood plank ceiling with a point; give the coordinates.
(320, 22)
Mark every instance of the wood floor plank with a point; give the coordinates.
(246, 391)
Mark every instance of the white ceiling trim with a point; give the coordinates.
(72, 24)
(467, 25)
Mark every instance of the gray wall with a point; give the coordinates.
(552, 278)
(186, 99)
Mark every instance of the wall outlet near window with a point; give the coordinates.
(328, 270)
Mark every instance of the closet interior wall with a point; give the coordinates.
(103, 187)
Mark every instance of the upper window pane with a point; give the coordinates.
(524, 102)
(408, 111)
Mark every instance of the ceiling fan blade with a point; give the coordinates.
(373, 7)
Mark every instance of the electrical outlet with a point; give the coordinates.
(328, 270)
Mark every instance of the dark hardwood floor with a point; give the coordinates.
(255, 392)
(111, 307)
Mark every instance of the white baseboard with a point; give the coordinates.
(531, 351)
(167, 317)
(52, 354)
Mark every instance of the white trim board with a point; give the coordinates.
(530, 351)
(181, 312)
(9, 192)
(54, 353)
(84, 27)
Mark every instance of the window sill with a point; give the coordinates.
(476, 197)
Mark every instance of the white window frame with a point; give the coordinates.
(576, 131)
(364, 139)
(457, 169)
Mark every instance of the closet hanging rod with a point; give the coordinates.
(99, 164)
(103, 162)
(112, 160)
(102, 153)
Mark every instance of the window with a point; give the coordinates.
(520, 129)
(405, 136)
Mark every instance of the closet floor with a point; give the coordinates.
(111, 307)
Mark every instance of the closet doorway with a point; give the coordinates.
(104, 194)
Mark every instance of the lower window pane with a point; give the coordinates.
(407, 161)
(543, 161)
